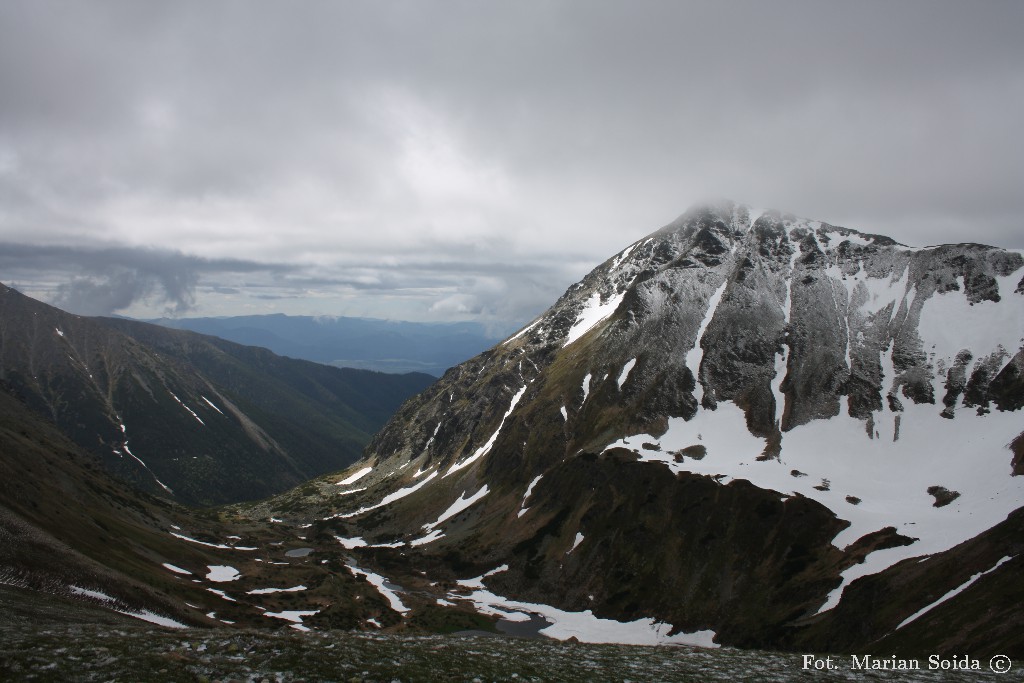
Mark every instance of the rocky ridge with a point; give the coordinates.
(194, 418)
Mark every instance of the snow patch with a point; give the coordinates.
(350, 543)
(222, 573)
(523, 331)
(143, 614)
(176, 570)
(478, 582)
(576, 542)
(219, 546)
(626, 369)
(266, 591)
(949, 323)
(388, 499)
(210, 403)
(696, 354)
(351, 491)
(187, 408)
(956, 591)
(583, 626)
(593, 313)
(526, 496)
(623, 255)
(139, 460)
(838, 238)
(383, 586)
(486, 448)
(429, 538)
(455, 508)
(355, 477)
(294, 616)
(222, 594)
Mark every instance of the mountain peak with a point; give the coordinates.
(733, 377)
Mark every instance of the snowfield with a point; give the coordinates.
(890, 478)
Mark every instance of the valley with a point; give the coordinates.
(744, 437)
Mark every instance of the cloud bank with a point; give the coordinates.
(470, 160)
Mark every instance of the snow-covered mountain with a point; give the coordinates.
(746, 428)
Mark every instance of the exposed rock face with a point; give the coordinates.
(739, 415)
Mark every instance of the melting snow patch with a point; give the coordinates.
(220, 573)
(294, 616)
(77, 590)
(593, 313)
(576, 542)
(837, 238)
(359, 542)
(390, 498)
(139, 460)
(219, 546)
(210, 403)
(222, 594)
(478, 582)
(383, 586)
(486, 448)
(154, 618)
(187, 408)
(952, 593)
(696, 354)
(523, 331)
(623, 255)
(583, 626)
(351, 491)
(626, 369)
(526, 496)
(458, 506)
(265, 591)
(429, 538)
(143, 614)
(176, 570)
(355, 477)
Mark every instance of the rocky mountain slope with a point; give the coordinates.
(80, 547)
(179, 414)
(746, 428)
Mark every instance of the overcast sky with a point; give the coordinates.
(469, 160)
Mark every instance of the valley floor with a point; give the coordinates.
(43, 639)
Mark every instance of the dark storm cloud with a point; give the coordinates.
(439, 149)
(103, 281)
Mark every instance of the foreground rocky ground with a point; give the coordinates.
(50, 640)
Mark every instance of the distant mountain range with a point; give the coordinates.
(189, 416)
(364, 343)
